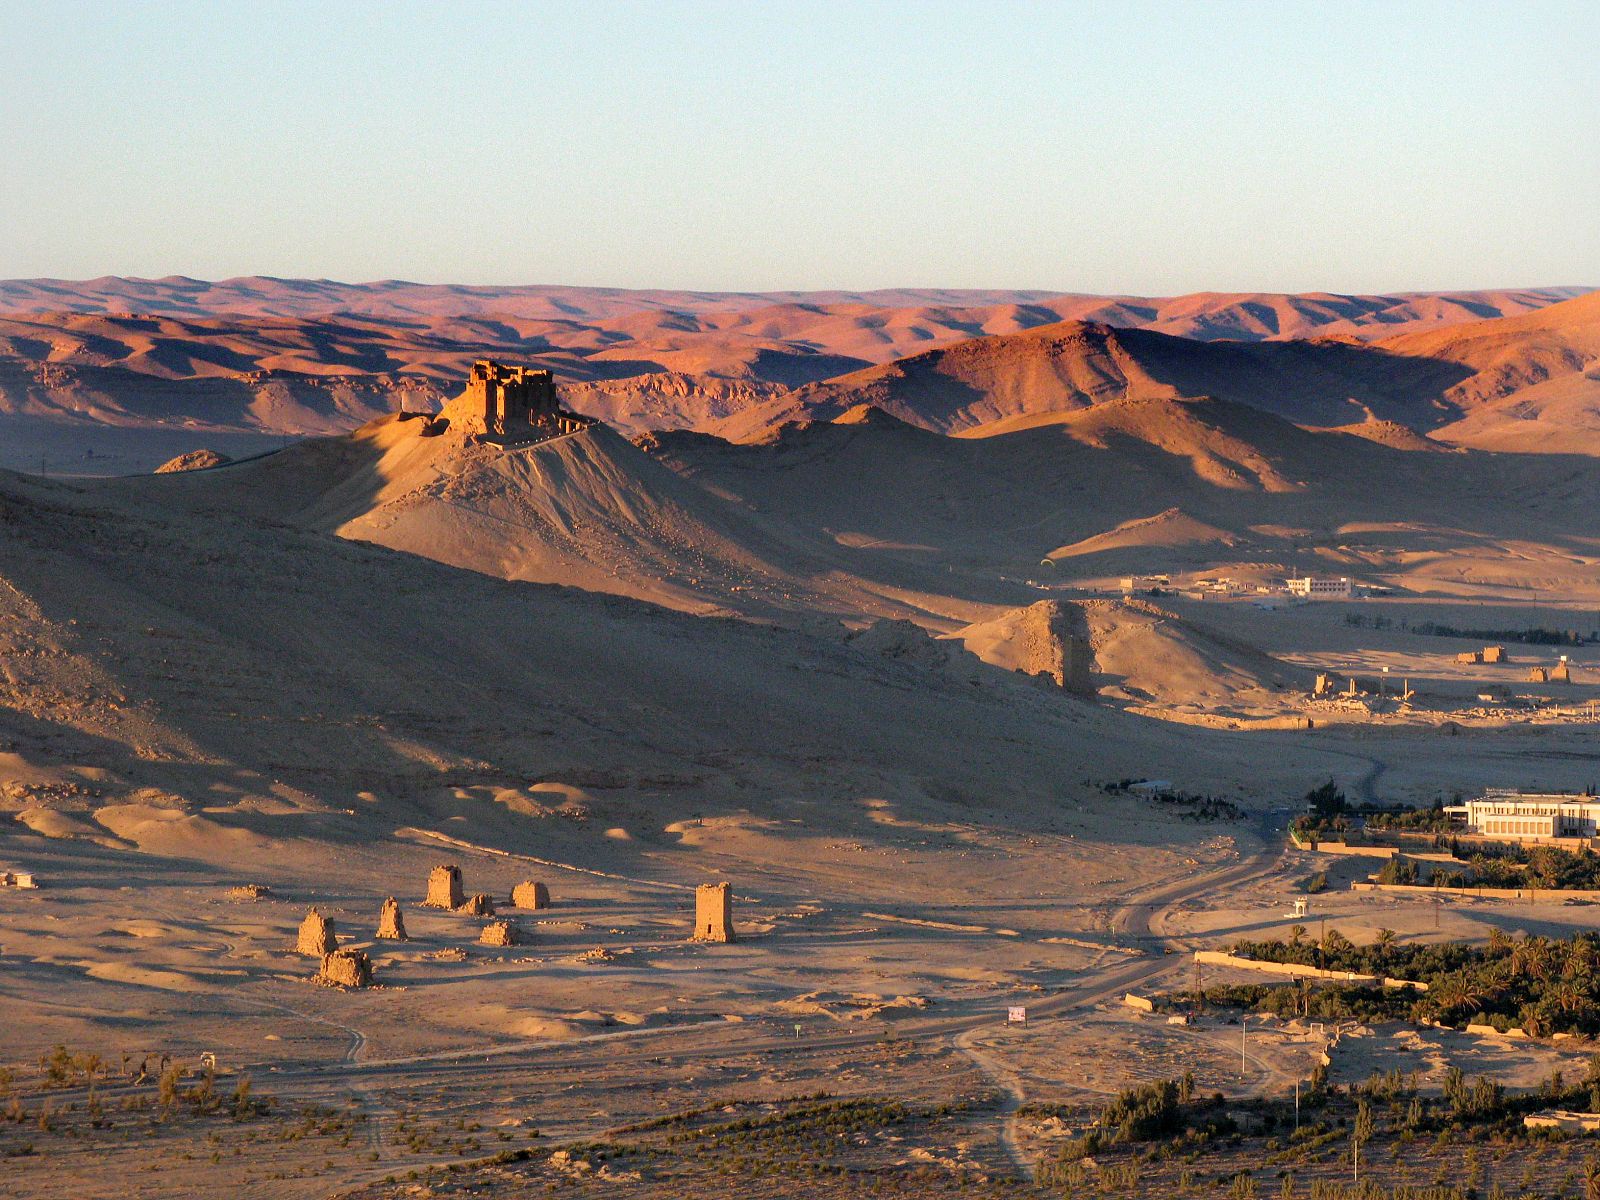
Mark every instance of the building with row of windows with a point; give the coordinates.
(1312, 587)
(1530, 816)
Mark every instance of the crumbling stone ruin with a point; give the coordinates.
(18, 879)
(444, 887)
(1538, 675)
(518, 403)
(391, 925)
(480, 905)
(1494, 654)
(713, 912)
(1470, 656)
(249, 891)
(500, 933)
(1561, 673)
(1057, 644)
(346, 969)
(316, 936)
(529, 894)
(1323, 685)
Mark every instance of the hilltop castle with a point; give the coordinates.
(518, 404)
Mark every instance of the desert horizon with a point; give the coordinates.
(1132, 738)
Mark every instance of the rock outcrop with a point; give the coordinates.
(194, 460)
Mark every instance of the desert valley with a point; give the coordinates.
(387, 670)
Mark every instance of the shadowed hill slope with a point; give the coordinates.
(1469, 385)
(187, 647)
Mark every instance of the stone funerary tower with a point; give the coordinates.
(713, 913)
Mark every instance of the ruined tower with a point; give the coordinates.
(316, 936)
(391, 925)
(444, 887)
(345, 969)
(511, 399)
(713, 912)
(530, 894)
(500, 933)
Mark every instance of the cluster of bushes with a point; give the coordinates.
(1529, 637)
(1165, 1110)
(1194, 806)
(1544, 985)
(1536, 636)
(1412, 820)
(1508, 865)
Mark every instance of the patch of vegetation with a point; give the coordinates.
(1543, 985)
(1191, 806)
(1532, 635)
(1411, 820)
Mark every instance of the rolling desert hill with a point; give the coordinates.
(263, 357)
(1469, 386)
(199, 651)
(1134, 486)
(1243, 316)
(870, 517)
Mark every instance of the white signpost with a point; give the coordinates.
(1017, 1014)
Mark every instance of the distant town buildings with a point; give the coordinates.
(1529, 816)
(1144, 584)
(1310, 587)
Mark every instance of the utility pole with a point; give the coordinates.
(1297, 1106)
(1244, 1024)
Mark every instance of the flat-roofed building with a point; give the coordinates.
(1530, 816)
(1315, 588)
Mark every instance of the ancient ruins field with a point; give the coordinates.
(862, 652)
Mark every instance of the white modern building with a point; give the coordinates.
(1313, 588)
(1530, 816)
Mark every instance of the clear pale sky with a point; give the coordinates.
(1120, 147)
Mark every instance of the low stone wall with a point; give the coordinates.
(1142, 1003)
(1299, 971)
(1347, 849)
(1488, 893)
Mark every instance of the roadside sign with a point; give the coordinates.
(1017, 1014)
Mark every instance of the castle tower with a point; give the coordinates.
(713, 912)
(511, 400)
